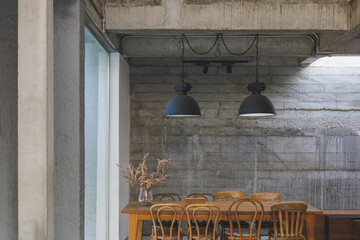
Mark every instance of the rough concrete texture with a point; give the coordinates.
(69, 119)
(229, 15)
(8, 120)
(35, 120)
(133, 3)
(158, 46)
(308, 151)
(269, 1)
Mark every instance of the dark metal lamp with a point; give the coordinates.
(256, 105)
(182, 105)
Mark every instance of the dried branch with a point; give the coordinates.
(139, 177)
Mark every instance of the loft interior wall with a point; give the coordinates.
(8, 120)
(308, 151)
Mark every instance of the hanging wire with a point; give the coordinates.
(201, 53)
(237, 54)
(257, 56)
(182, 57)
(219, 35)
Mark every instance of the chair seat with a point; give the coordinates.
(202, 233)
(267, 224)
(244, 235)
(243, 224)
(300, 237)
(202, 224)
(167, 234)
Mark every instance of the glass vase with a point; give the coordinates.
(145, 197)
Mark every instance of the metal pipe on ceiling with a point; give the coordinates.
(225, 36)
(313, 38)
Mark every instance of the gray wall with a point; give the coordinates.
(309, 151)
(69, 119)
(8, 120)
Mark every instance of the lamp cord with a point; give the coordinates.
(182, 57)
(219, 35)
(257, 56)
(237, 54)
(201, 53)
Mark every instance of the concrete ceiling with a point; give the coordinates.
(335, 22)
(237, 15)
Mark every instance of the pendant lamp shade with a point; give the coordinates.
(256, 105)
(182, 105)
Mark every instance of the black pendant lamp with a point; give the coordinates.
(182, 105)
(256, 105)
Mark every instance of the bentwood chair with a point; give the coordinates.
(162, 212)
(197, 215)
(267, 225)
(207, 196)
(167, 197)
(229, 196)
(267, 196)
(292, 215)
(234, 212)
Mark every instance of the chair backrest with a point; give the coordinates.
(229, 195)
(202, 212)
(167, 196)
(172, 213)
(293, 216)
(207, 196)
(234, 216)
(267, 196)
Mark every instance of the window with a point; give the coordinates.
(96, 139)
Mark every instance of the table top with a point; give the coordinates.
(342, 213)
(134, 207)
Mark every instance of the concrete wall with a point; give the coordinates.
(123, 15)
(69, 119)
(8, 120)
(309, 151)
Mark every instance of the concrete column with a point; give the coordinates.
(124, 140)
(8, 120)
(69, 119)
(35, 120)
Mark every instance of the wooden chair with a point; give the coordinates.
(197, 215)
(293, 216)
(167, 196)
(162, 212)
(229, 195)
(234, 213)
(267, 225)
(207, 196)
(355, 229)
(267, 196)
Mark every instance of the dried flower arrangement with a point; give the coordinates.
(139, 177)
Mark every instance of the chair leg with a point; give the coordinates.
(222, 233)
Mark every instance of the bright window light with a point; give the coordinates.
(337, 61)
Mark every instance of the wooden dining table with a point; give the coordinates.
(138, 213)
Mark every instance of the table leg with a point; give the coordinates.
(327, 229)
(310, 227)
(135, 227)
(139, 229)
